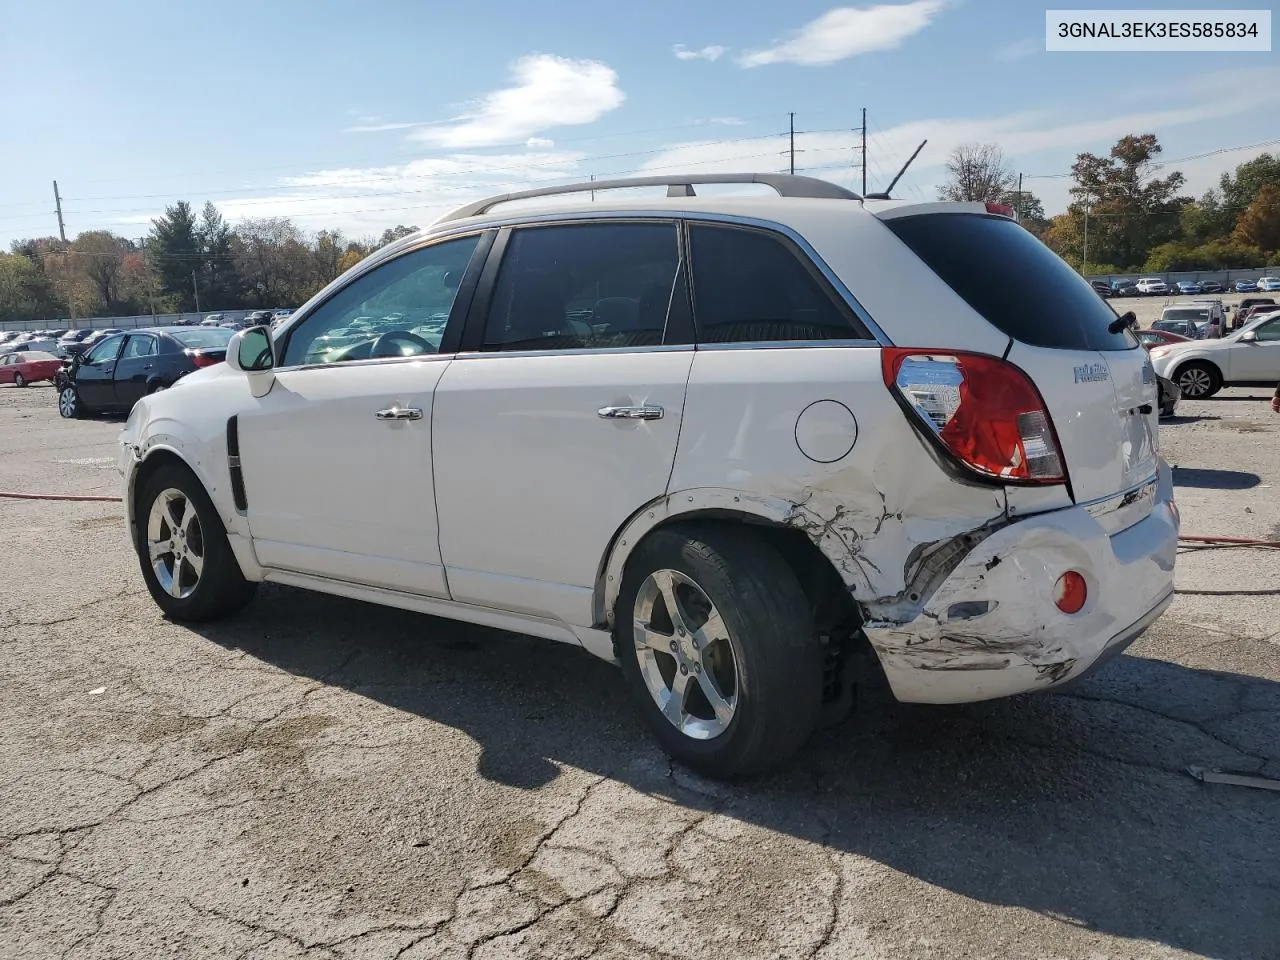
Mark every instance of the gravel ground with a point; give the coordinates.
(324, 778)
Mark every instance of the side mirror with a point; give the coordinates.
(252, 352)
(1249, 336)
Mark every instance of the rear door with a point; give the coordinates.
(560, 418)
(135, 368)
(1098, 385)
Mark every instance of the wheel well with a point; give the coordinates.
(1204, 363)
(150, 465)
(833, 605)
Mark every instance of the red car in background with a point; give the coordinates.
(1154, 338)
(30, 366)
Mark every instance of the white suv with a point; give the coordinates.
(704, 436)
(1152, 286)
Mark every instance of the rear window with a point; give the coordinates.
(199, 339)
(1187, 314)
(1017, 283)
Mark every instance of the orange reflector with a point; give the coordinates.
(1070, 592)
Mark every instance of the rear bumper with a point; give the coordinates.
(1024, 643)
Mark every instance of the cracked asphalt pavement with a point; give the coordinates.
(322, 778)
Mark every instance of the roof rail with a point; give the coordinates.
(787, 185)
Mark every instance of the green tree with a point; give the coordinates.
(1130, 210)
(1259, 225)
(327, 256)
(97, 261)
(395, 233)
(219, 283)
(176, 252)
(1239, 191)
(1030, 211)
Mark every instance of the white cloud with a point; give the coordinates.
(379, 127)
(539, 143)
(848, 31)
(712, 51)
(1020, 49)
(548, 91)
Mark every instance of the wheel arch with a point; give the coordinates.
(1182, 364)
(783, 523)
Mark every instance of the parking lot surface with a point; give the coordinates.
(323, 778)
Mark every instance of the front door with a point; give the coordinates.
(337, 456)
(1259, 360)
(564, 421)
(95, 375)
(135, 368)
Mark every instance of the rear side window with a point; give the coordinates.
(1017, 283)
(750, 286)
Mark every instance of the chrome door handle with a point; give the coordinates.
(648, 411)
(399, 413)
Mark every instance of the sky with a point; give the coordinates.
(361, 116)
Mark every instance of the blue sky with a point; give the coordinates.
(360, 116)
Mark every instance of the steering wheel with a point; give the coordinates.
(402, 336)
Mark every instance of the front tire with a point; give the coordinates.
(182, 548)
(19, 380)
(718, 647)
(69, 405)
(1198, 380)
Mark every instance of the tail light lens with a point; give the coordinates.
(985, 411)
(1001, 209)
(203, 359)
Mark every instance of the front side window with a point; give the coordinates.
(139, 347)
(1269, 330)
(398, 309)
(749, 286)
(108, 349)
(583, 286)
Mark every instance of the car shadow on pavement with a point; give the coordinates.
(1210, 479)
(1076, 806)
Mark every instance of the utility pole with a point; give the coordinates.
(1084, 265)
(793, 142)
(57, 200)
(864, 151)
(593, 193)
(1019, 207)
(196, 287)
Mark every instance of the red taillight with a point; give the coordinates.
(984, 410)
(1000, 209)
(1070, 592)
(203, 359)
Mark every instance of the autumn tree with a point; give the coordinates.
(1129, 209)
(97, 256)
(1238, 190)
(395, 233)
(977, 171)
(1259, 225)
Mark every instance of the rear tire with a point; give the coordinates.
(182, 548)
(69, 405)
(756, 649)
(1198, 380)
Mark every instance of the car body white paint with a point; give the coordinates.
(538, 503)
(1238, 359)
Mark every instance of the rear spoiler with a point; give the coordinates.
(893, 209)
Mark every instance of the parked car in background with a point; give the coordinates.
(1250, 307)
(722, 557)
(257, 318)
(72, 343)
(1101, 288)
(1124, 288)
(1246, 286)
(1268, 284)
(1248, 357)
(1187, 319)
(1152, 286)
(1189, 286)
(283, 313)
(28, 366)
(25, 344)
(1210, 286)
(1154, 337)
(7, 336)
(119, 369)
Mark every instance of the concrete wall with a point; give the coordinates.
(122, 323)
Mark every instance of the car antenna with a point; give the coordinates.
(894, 182)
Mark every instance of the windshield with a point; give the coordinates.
(201, 339)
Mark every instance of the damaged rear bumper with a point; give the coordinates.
(951, 652)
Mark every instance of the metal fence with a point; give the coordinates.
(121, 323)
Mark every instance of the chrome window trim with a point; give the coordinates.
(366, 362)
(578, 352)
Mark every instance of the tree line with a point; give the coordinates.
(267, 262)
(1124, 217)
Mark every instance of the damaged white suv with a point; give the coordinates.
(708, 437)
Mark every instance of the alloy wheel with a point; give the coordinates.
(175, 543)
(686, 655)
(68, 401)
(1195, 382)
